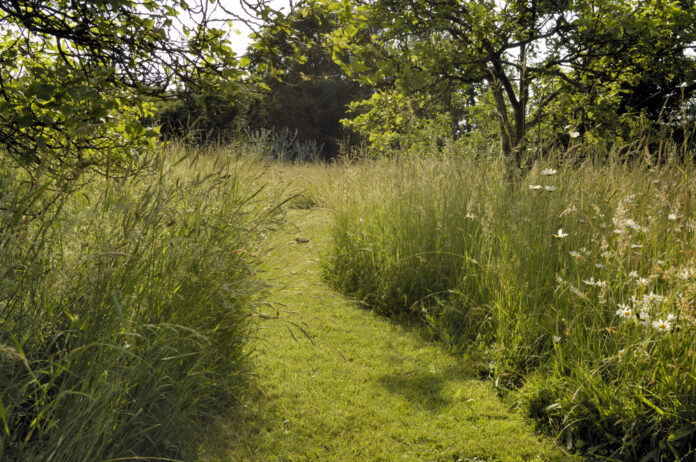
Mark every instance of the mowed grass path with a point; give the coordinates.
(363, 388)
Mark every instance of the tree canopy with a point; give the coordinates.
(77, 78)
(591, 61)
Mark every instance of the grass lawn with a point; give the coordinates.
(363, 388)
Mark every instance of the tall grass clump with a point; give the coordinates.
(578, 283)
(124, 307)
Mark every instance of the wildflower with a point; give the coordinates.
(599, 265)
(652, 297)
(575, 254)
(633, 274)
(560, 234)
(624, 311)
(592, 282)
(550, 188)
(644, 317)
(556, 339)
(685, 273)
(636, 246)
(662, 325)
(470, 216)
(574, 134)
(643, 282)
(577, 292)
(535, 187)
(672, 217)
(549, 171)
(632, 224)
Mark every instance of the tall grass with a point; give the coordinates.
(578, 285)
(124, 307)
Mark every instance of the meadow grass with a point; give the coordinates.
(576, 284)
(336, 382)
(124, 306)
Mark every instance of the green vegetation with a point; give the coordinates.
(124, 310)
(529, 204)
(578, 285)
(359, 387)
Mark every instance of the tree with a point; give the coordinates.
(527, 54)
(77, 79)
(307, 92)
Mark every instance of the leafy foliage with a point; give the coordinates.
(306, 91)
(590, 62)
(76, 78)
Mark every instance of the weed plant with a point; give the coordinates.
(577, 283)
(124, 307)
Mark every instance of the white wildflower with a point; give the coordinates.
(643, 282)
(672, 217)
(662, 325)
(644, 317)
(535, 187)
(624, 311)
(574, 134)
(549, 171)
(550, 188)
(597, 283)
(633, 274)
(556, 339)
(560, 234)
(577, 292)
(652, 297)
(685, 273)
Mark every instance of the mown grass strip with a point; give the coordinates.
(364, 388)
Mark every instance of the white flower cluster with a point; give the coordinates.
(549, 188)
(640, 311)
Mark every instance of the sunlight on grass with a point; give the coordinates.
(576, 284)
(363, 388)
